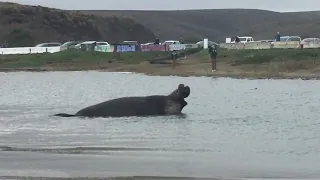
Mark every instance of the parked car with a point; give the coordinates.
(169, 42)
(90, 42)
(50, 44)
(69, 44)
(309, 40)
(290, 38)
(313, 40)
(244, 39)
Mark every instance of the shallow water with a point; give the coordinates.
(230, 129)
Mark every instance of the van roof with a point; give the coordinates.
(289, 36)
(47, 43)
(245, 37)
(171, 41)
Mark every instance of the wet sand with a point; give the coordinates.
(130, 164)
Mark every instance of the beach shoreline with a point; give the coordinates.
(173, 72)
(242, 64)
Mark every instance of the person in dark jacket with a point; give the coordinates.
(157, 41)
(213, 56)
(174, 57)
(237, 39)
(277, 37)
(5, 45)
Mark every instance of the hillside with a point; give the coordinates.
(22, 25)
(220, 23)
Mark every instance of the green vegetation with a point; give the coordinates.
(271, 60)
(74, 56)
(241, 57)
(266, 56)
(40, 60)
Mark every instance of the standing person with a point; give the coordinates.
(174, 57)
(5, 45)
(237, 39)
(157, 41)
(277, 37)
(213, 56)
(181, 40)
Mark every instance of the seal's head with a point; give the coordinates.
(180, 94)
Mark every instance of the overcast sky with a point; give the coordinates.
(274, 5)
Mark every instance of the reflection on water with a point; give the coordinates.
(230, 128)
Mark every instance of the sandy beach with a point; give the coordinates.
(190, 67)
(274, 63)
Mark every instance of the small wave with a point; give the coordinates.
(6, 132)
(123, 72)
(75, 150)
(94, 150)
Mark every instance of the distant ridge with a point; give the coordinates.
(25, 25)
(217, 24)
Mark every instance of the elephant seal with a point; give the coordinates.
(137, 106)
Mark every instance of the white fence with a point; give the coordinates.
(29, 50)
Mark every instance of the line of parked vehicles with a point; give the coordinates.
(245, 39)
(77, 44)
(73, 44)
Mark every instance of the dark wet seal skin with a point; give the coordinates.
(137, 106)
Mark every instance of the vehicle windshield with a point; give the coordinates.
(294, 39)
(283, 39)
(102, 43)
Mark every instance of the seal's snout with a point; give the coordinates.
(184, 90)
